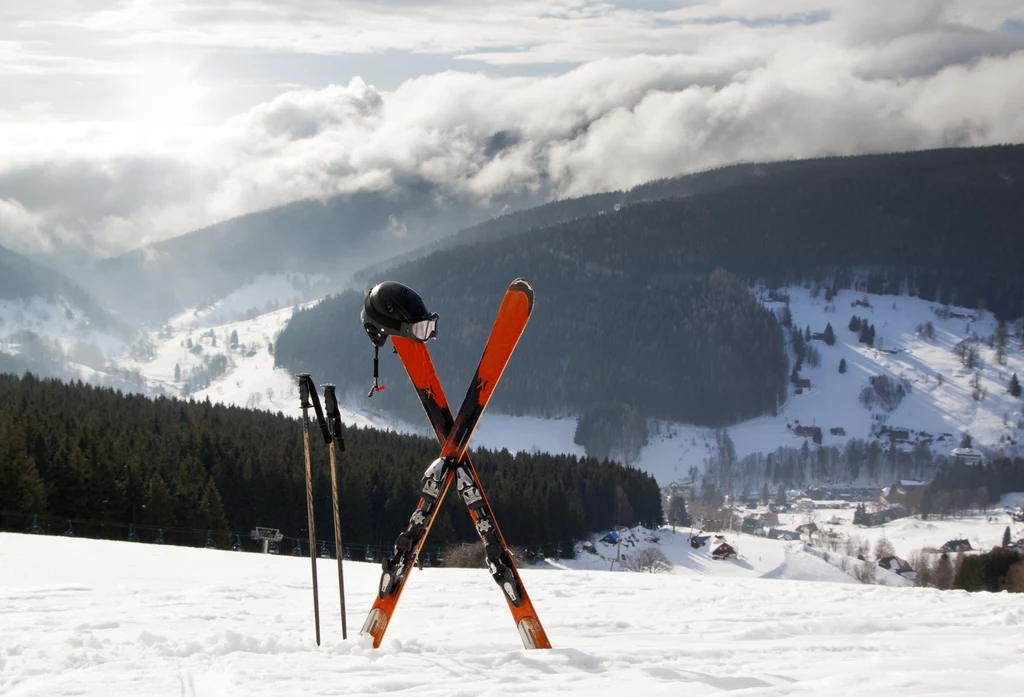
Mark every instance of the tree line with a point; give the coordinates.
(697, 349)
(857, 462)
(95, 454)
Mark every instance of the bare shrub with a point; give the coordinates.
(922, 563)
(884, 548)
(650, 559)
(466, 555)
(519, 555)
(864, 572)
(1014, 581)
(856, 546)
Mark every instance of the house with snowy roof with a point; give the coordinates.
(899, 566)
(967, 456)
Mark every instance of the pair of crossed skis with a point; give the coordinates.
(454, 461)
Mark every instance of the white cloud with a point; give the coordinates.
(664, 92)
(20, 228)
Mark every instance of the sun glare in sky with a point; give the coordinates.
(163, 93)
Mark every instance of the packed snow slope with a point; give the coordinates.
(107, 618)
(941, 398)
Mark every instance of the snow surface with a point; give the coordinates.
(258, 296)
(983, 529)
(87, 617)
(831, 401)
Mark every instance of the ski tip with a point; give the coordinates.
(524, 287)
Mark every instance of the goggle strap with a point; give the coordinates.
(376, 372)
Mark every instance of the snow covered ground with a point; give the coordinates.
(983, 529)
(84, 617)
(940, 400)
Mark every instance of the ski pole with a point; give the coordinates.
(337, 443)
(304, 403)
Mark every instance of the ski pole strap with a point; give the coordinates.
(306, 391)
(376, 372)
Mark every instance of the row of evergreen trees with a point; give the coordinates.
(958, 487)
(93, 454)
(693, 348)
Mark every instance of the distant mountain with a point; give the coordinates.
(22, 278)
(333, 237)
(50, 326)
(632, 314)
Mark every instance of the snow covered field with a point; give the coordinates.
(983, 530)
(83, 617)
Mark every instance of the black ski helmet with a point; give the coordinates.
(395, 309)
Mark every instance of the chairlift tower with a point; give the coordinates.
(266, 535)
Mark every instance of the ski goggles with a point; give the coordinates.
(422, 330)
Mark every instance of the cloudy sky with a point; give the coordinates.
(123, 123)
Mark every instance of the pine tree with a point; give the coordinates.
(677, 512)
(766, 496)
(944, 573)
(807, 333)
(177, 373)
(842, 365)
(1015, 388)
(159, 511)
(787, 316)
(854, 323)
(1006, 537)
(780, 496)
(234, 338)
(211, 509)
(794, 375)
(830, 335)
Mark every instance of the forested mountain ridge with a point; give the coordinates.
(335, 236)
(175, 464)
(967, 167)
(630, 311)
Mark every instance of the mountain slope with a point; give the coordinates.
(51, 327)
(965, 168)
(629, 311)
(333, 237)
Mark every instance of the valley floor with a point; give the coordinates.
(88, 617)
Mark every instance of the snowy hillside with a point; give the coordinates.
(56, 336)
(113, 618)
(940, 402)
(940, 399)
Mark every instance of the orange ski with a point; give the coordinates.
(508, 327)
(416, 359)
